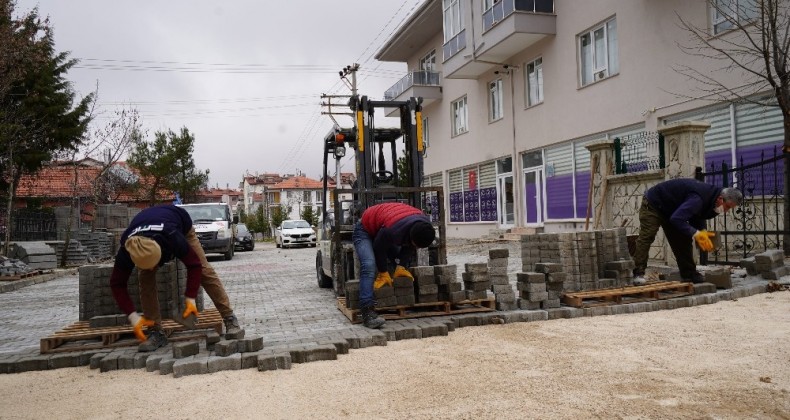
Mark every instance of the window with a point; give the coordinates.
(727, 14)
(459, 117)
(452, 19)
(473, 193)
(495, 100)
(307, 197)
(598, 53)
(428, 63)
(487, 4)
(534, 78)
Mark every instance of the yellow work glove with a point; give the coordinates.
(190, 308)
(382, 279)
(401, 271)
(138, 322)
(702, 237)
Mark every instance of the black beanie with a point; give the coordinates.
(422, 234)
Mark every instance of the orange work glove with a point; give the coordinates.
(190, 308)
(702, 237)
(138, 322)
(401, 271)
(382, 279)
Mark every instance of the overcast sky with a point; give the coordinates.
(245, 77)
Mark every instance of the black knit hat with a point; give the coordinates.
(422, 234)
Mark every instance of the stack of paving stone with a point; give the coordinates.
(99, 244)
(476, 280)
(769, 264)
(12, 267)
(404, 289)
(352, 294)
(76, 254)
(111, 216)
(612, 246)
(532, 290)
(95, 294)
(504, 295)
(555, 280)
(385, 296)
(37, 255)
(591, 260)
(426, 290)
(450, 289)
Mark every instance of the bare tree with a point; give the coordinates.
(105, 145)
(751, 39)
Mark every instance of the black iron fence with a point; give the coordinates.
(639, 152)
(29, 225)
(758, 224)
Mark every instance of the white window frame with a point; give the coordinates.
(604, 64)
(721, 21)
(451, 19)
(487, 4)
(495, 100)
(459, 116)
(537, 89)
(428, 62)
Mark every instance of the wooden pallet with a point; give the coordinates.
(420, 310)
(20, 276)
(81, 336)
(628, 294)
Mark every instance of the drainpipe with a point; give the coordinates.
(516, 165)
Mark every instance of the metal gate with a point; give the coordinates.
(757, 225)
(29, 225)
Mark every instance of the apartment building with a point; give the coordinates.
(519, 87)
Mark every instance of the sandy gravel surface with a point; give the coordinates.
(727, 360)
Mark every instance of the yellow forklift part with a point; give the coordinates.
(419, 132)
(360, 132)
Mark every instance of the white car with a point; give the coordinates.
(294, 232)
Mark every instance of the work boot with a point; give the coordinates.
(156, 338)
(232, 328)
(370, 318)
(696, 278)
(639, 280)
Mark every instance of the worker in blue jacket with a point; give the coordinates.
(680, 207)
(155, 236)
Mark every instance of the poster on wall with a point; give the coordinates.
(473, 180)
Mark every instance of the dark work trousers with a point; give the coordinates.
(649, 222)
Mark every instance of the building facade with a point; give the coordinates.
(523, 86)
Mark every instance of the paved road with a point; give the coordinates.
(273, 291)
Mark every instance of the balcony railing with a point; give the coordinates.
(451, 47)
(504, 8)
(423, 78)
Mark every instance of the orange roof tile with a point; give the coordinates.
(298, 182)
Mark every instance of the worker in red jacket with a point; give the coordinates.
(388, 229)
(155, 236)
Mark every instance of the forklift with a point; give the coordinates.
(375, 183)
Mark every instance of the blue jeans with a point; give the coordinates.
(363, 244)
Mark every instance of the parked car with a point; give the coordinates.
(244, 239)
(294, 232)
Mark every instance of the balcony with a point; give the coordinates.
(509, 27)
(424, 84)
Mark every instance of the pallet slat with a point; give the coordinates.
(20, 276)
(420, 310)
(122, 335)
(628, 294)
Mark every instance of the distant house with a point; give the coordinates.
(221, 195)
(297, 192)
(254, 191)
(58, 183)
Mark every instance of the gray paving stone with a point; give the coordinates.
(217, 363)
(251, 344)
(191, 365)
(306, 354)
(226, 347)
(109, 362)
(185, 349)
(433, 330)
(274, 361)
(64, 360)
(166, 365)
